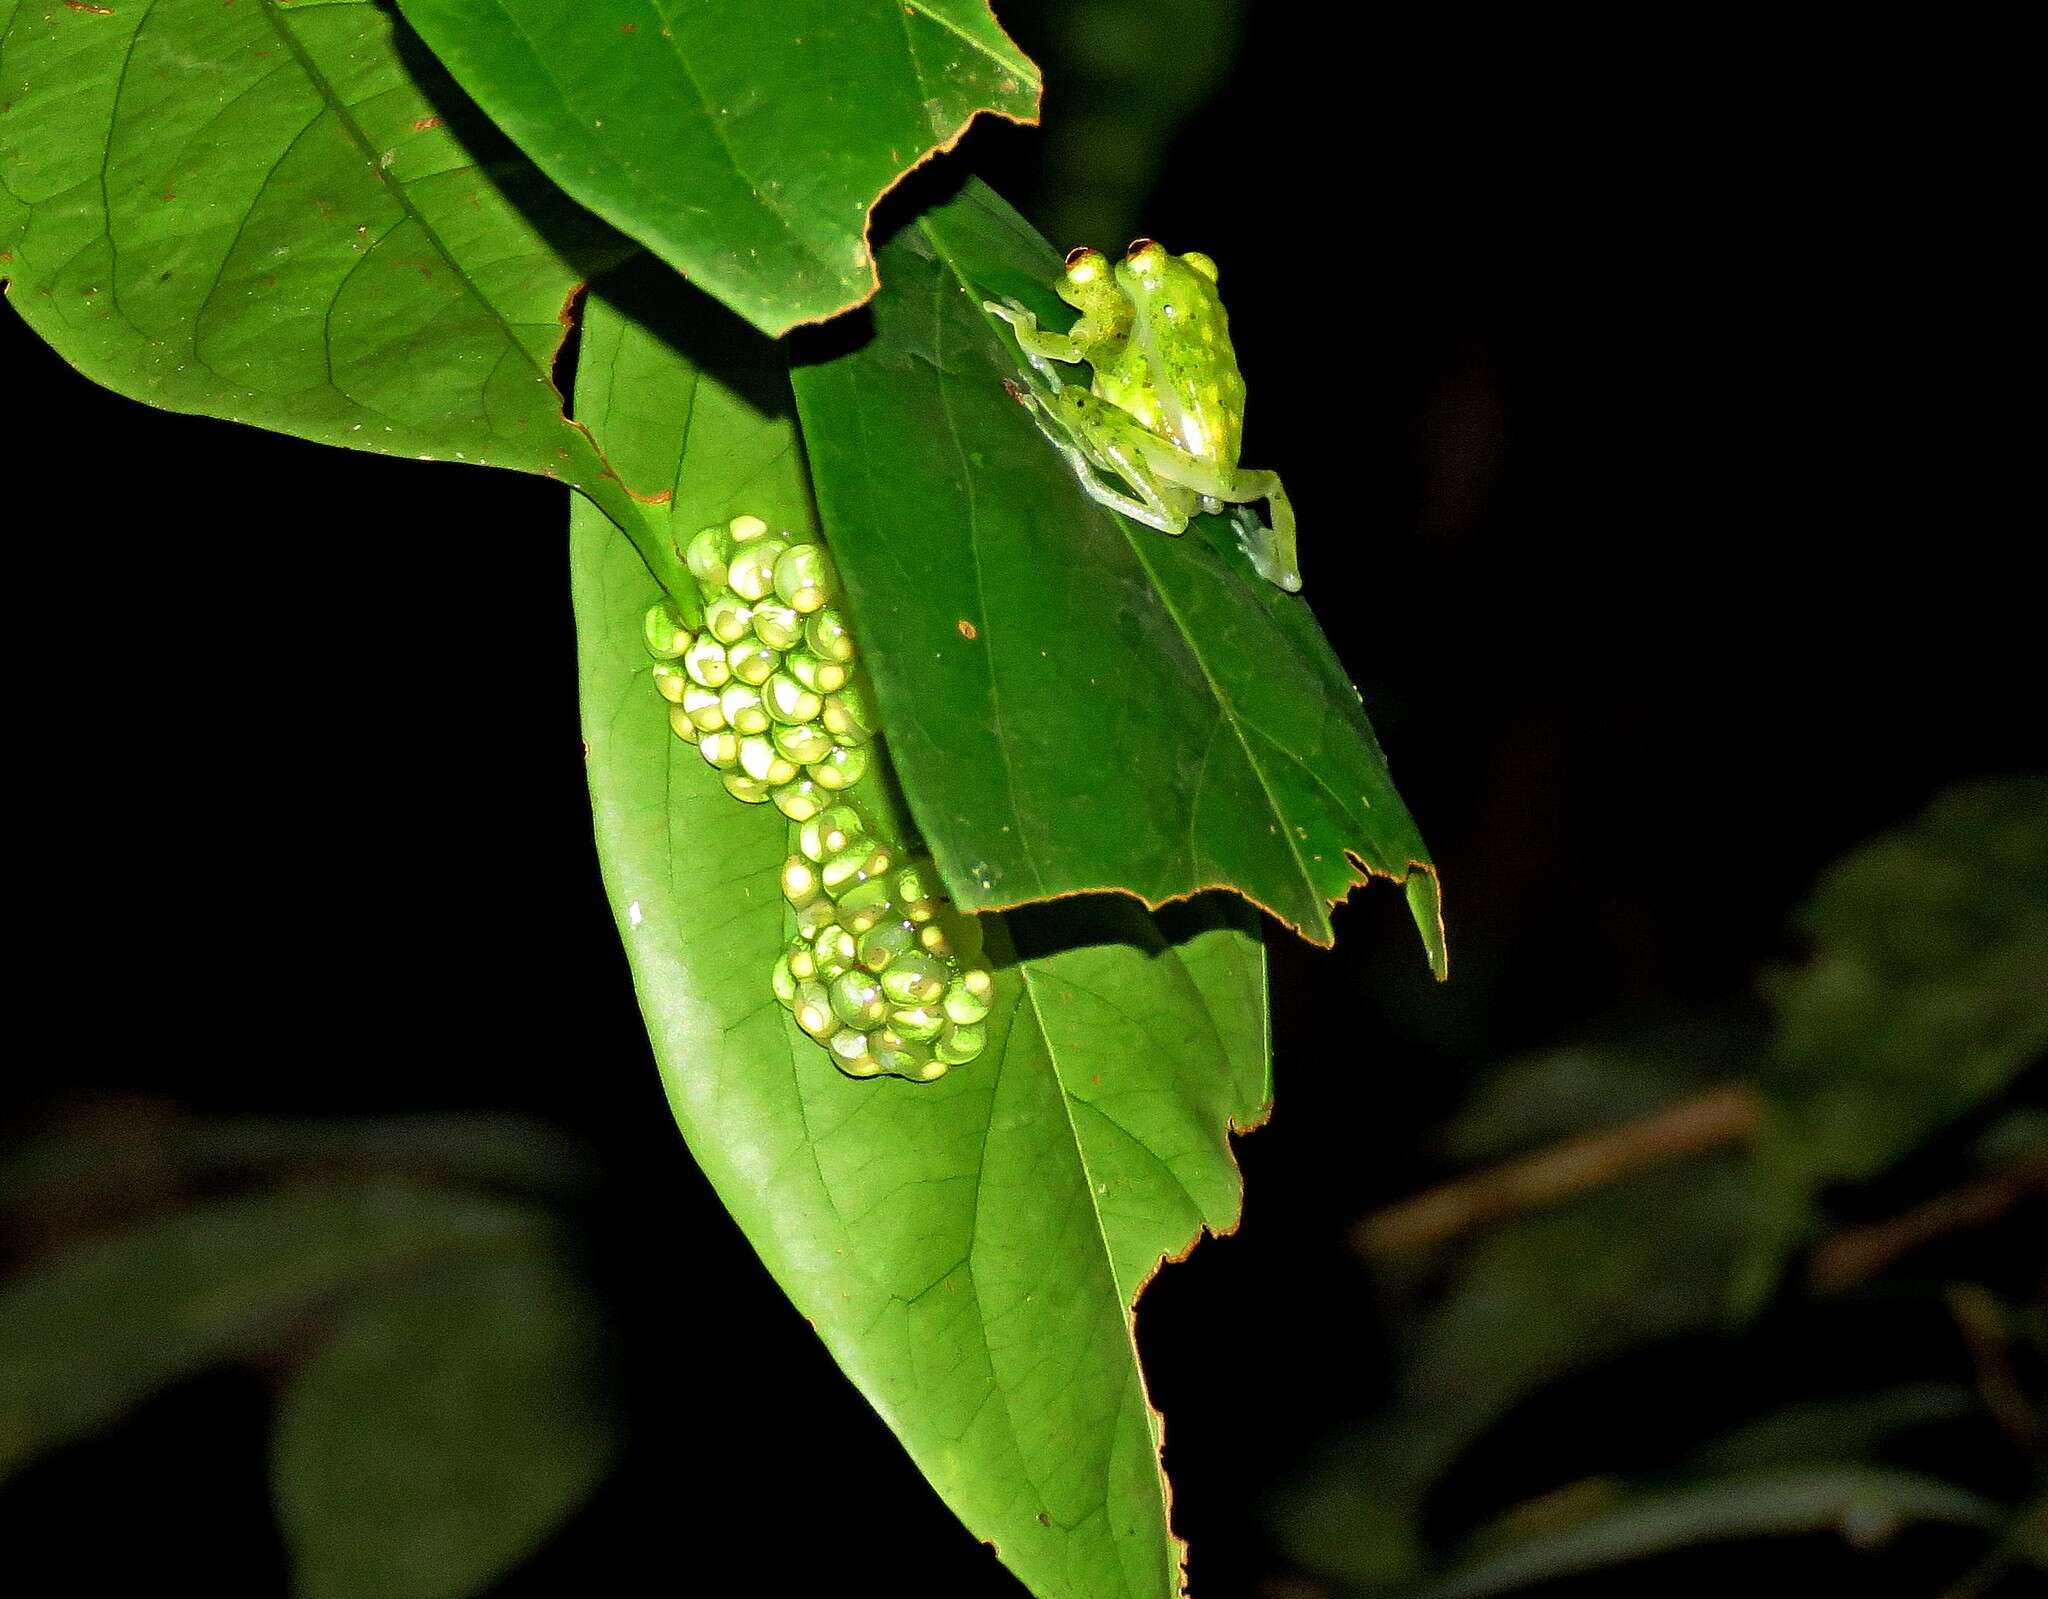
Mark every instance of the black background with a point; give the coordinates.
(1638, 406)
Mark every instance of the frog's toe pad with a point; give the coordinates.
(1256, 540)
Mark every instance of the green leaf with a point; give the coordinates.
(744, 144)
(969, 1250)
(1926, 992)
(1928, 986)
(1820, 1431)
(1076, 702)
(1865, 1506)
(86, 1337)
(124, 1154)
(1539, 1100)
(451, 1421)
(284, 214)
(1536, 1298)
(1626, 1264)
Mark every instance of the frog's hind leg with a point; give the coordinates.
(1270, 550)
(1153, 510)
(1088, 469)
(1157, 515)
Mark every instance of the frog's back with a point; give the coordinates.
(1186, 344)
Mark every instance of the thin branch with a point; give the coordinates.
(1981, 1321)
(1724, 1116)
(1862, 1252)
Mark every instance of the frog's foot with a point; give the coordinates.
(1262, 549)
(1271, 554)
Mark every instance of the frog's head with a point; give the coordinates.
(1150, 275)
(1089, 285)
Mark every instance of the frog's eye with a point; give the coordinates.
(1201, 263)
(1145, 257)
(1084, 264)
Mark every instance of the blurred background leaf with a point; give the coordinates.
(445, 1365)
(1864, 1507)
(1648, 1181)
(447, 1425)
(102, 1327)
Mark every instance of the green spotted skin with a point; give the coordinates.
(770, 693)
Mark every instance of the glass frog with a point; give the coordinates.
(1165, 411)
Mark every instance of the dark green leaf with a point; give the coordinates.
(284, 214)
(1642, 1259)
(1542, 1099)
(89, 1335)
(1537, 1298)
(1928, 986)
(1355, 1511)
(1926, 992)
(1825, 1430)
(451, 1421)
(968, 1250)
(1076, 702)
(1866, 1507)
(744, 144)
(128, 1153)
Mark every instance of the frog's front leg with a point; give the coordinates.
(1038, 345)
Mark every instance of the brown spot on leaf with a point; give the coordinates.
(567, 315)
(967, 628)
(629, 27)
(421, 124)
(97, 11)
